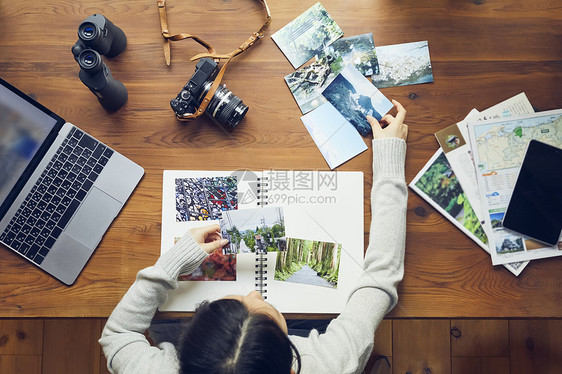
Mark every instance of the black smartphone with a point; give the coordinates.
(535, 207)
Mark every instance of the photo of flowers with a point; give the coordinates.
(215, 267)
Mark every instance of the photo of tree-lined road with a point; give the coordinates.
(309, 262)
(251, 230)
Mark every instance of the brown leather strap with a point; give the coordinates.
(164, 27)
(267, 20)
(247, 44)
(210, 50)
(210, 53)
(168, 37)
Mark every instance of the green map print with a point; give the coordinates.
(503, 145)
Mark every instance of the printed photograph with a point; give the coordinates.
(509, 244)
(358, 51)
(497, 220)
(202, 199)
(441, 185)
(215, 267)
(302, 38)
(307, 83)
(355, 98)
(450, 138)
(335, 137)
(309, 262)
(251, 230)
(403, 64)
(529, 244)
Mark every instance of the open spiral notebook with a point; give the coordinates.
(317, 205)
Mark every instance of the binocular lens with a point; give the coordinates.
(88, 31)
(89, 59)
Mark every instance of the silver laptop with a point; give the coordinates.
(60, 188)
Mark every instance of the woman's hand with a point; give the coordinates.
(208, 237)
(390, 126)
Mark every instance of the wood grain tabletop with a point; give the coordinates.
(482, 52)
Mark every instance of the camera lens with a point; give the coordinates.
(226, 108)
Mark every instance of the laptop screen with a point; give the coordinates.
(23, 129)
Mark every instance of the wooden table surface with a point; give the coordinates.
(482, 52)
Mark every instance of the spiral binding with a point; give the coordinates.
(261, 273)
(261, 257)
(263, 184)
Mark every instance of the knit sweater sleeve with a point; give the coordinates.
(123, 341)
(346, 345)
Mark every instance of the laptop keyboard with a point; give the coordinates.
(51, 203)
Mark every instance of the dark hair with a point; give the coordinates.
(225, 338)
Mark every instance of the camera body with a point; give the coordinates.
(225, 108)
(99, 36)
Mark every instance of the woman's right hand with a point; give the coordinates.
(390, 126)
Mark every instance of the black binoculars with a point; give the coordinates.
(98, 36)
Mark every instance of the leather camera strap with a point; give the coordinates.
(210, 52)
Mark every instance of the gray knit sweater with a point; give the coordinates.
(345, 346)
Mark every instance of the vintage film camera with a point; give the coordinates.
(98, 36)
(225, 108)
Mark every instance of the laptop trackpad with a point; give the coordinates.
(93, 218)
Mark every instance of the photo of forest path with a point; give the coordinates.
(307, 275)
(310, 262)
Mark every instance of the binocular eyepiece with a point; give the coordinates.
(101, 34)
(90, 61)
(98, 36)
(98, 33)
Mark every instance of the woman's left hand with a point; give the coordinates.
(208, 237)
